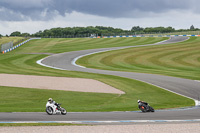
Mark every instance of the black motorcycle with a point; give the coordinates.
(145, 108)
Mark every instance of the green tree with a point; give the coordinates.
(38, 34)
(158, 30)
(16, 33)
(25, 34)
(192, 27)
(137, 28)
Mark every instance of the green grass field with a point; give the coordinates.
(75, 44)
(179, 60)
(21, 61)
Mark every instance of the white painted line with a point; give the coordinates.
(40, 63)
(162, 41)
(197, 80)
(196, 101)
(75, 59)
(98, 122)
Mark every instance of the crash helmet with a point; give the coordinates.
(138, 101)
(50, 100)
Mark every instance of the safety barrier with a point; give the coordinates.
(10, 49)
(143, 36)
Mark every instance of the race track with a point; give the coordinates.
(66, 61)
(186, 87)
(181, 115)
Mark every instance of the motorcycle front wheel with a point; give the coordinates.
(151, 109)
(63, 111)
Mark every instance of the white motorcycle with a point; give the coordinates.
(53, 109)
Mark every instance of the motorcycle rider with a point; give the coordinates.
(50, 100)
(144, 103)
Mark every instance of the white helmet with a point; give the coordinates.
(138, 101)
(50, 100)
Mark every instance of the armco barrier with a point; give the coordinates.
(10, 49)
(144, 36)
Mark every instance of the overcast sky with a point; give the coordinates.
(34, 15)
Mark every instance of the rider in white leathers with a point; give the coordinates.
(53, 104)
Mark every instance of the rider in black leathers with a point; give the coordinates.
(144, 103)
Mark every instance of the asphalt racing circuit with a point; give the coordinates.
(66, 61)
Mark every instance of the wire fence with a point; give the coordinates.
(9, 45)
(6, 46)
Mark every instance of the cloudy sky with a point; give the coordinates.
(34, 15)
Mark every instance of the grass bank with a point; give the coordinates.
(23, 61)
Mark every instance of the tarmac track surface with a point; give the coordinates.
(65, 61)
(181, 115)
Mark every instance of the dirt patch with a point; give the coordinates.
(56, 83)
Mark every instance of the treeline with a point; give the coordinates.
(79, 31)
(99, 31)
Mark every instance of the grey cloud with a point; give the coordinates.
(36, 9)
(9, 15)
(18, 4)
(121, 8)
(23, 10)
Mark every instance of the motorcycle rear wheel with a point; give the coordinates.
(49, 110)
